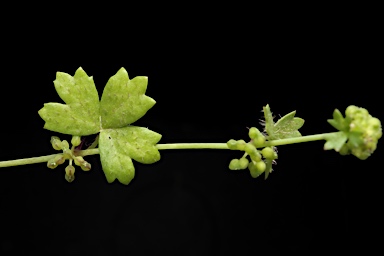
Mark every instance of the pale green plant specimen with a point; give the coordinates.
(119, 142)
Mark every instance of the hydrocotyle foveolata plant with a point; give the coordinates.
(119, 142)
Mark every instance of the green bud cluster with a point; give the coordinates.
(256, 165)
(364, 132)
(68, 154)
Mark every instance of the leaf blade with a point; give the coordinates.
(73, 89)
(115, 165)
(80, 115)
(286, 127)
(119, 146)
(283, 121)
(124, 101)
(61, 118)
(297, 123)
(338, 121)
(335, 141)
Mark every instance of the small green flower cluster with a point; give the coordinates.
(68, 154)
(364, 131)
(256, 165)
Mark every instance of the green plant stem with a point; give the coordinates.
(308, 138)
(281, 142)
(192, 146)
(42, 159)
(24, 161)
(95, 151)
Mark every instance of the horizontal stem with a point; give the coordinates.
(192, 146)
(322, 136)
(42, 159)
(88, 152)
(95, 151)
(280, 142)
(24, 161)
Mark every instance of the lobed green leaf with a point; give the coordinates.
(286, 127)
(338, 120)
(335, 141)
(119, 146)
(80, 115)
(124, 101)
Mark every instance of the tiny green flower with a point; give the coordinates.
(56, 143)
(75, 141)
(70, 173)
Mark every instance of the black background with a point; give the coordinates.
(210, 82)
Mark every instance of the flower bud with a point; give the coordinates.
(254, 132)
(241, 144)
(56, 143)
(79, 160)
(232, 144)
(243, 163)
(269, 153)
(86, 166)
(70, 173)
(52, 163)
(256, 168)
(234, 164)
(259, 141)
(75, 141)
(55, 161)
(65, 145)
(59, 159)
